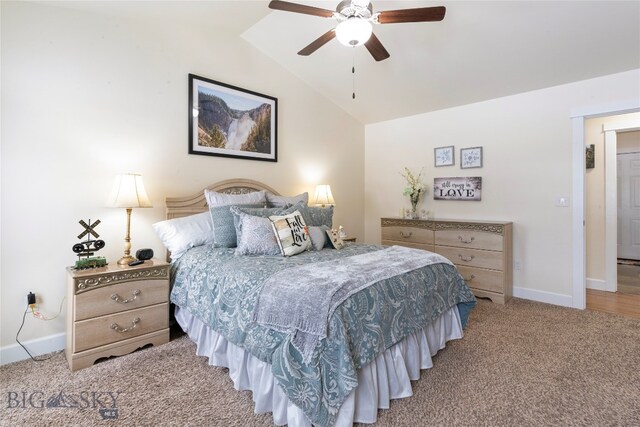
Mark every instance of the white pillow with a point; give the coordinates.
(222, 199)
(181, 234)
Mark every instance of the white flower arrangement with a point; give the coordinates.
(414, 188)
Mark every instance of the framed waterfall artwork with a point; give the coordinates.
(229, 121)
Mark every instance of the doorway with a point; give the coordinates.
(612, 213)
(578, 117)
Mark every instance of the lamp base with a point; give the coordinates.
(125, 260)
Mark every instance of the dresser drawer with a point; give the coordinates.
(121, 297)
(408, 245)
(408, 234)
(104, 330)
(479, 278)
(472, 257)
(469, 239)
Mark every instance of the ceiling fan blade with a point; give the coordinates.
(318, 43)
(376, 49)
(420, 14)
(300, 8)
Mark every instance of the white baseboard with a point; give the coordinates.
(599, 285)
(15, 353)
(542, 296)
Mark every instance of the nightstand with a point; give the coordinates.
(115, 310)
(349, 239)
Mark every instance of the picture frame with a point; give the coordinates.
(444, 156)
(470, 157)
(229, 121)
(590, 156)
(462, 188)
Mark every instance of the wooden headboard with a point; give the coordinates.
(178, 207)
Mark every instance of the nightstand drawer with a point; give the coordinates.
(472, 257)
(478, 278)
(408, 234)
(108, 329)
(469, 239)
(121, 297)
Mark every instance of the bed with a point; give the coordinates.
(377, 336)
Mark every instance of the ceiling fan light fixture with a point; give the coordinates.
(354, 31)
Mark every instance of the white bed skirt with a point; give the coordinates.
(387, 377)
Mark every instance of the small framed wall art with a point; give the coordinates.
(470, 157)
(229, 121)
(444, 156)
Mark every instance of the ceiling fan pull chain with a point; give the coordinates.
(353, 73)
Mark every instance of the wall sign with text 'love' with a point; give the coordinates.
(459, 188)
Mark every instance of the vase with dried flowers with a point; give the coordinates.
(414, 189)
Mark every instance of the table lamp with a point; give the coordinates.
(323, 195)
(128, 192)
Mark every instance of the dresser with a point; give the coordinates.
(115, 310)
(481, 250)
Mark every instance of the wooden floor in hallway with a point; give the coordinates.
(625, 302)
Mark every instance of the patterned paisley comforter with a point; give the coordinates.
(221, 289)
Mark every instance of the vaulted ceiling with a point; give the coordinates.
(481, 50)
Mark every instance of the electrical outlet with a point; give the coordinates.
(518, 265)
(31, 298)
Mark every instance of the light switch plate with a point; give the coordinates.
(562, 201)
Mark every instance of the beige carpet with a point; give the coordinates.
(523, 364)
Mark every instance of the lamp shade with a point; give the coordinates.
(128, 192)
(323, 195)
(353, 31)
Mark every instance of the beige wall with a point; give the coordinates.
(595, 192)
(628, 142)
(527, 144)
(86, 96)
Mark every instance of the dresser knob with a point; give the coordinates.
(118, 298)
(120, 329)
(462, 240)
(405, 236)
(469, 279)
(466, 259)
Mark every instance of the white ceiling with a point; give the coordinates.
(481, 50)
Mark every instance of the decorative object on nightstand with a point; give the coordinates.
(115, 310)
(323, 195)
(128, 192)
(89, 247)
(414, 190)
(341, 232)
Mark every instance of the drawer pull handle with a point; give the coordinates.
(405, 236)
(466, 259)
(469, 279)
(120, 329)
(118, 298)
(466, 241)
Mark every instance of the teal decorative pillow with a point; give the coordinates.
(317, 216)
(281, 201)
(291, 233)
(261, 212)
(224, 231)
(256, 237)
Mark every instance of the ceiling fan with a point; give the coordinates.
(354, 23)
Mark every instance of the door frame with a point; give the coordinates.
(579, 250)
